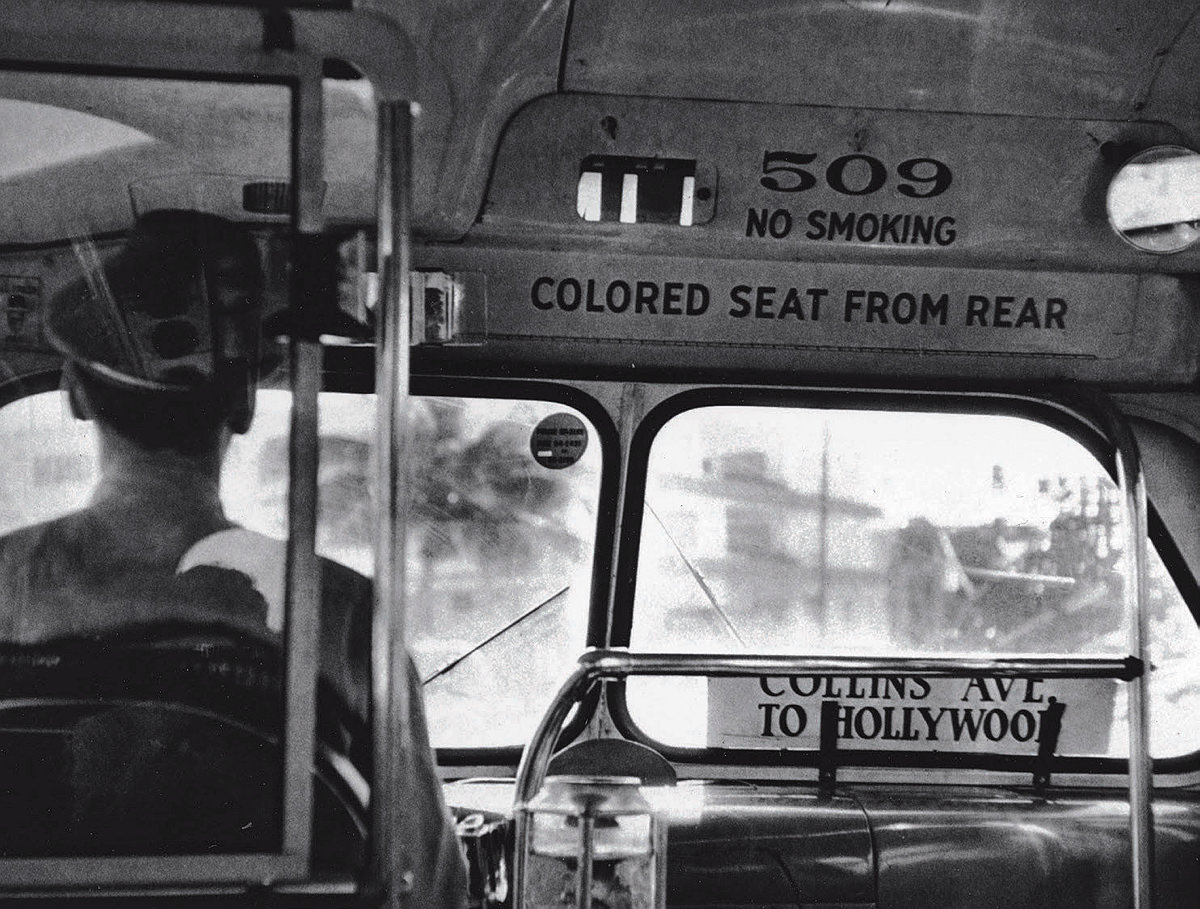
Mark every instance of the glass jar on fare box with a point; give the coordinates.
(593, 841)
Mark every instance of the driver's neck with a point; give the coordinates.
(168, 496)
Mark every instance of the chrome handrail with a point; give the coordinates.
(1131, 481)
(390, 845)
(616, 664)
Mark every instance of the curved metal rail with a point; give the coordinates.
(617, 664)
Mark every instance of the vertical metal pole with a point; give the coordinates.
(390, 861)
(823, 611)
(303, 568)
(587, 848)
(1141, 777)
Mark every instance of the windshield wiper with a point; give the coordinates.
(507, 628)
(527, 614)
(699, 578)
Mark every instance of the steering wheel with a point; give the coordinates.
(207, 665)
(160, 679)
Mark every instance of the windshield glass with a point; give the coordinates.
(499, 549)
(500, 542)
(779, 530)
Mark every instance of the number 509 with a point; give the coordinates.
(854, 175)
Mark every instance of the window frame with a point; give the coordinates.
(1074, 415)
(354, 382)
(298, 73)
(603, 547)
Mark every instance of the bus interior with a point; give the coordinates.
(771, 429)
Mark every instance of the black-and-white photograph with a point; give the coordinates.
(600, 454)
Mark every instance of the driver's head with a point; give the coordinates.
(162, 340)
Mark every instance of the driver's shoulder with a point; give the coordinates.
(340, 582)
(52, 575)
(88, 542)
(24, 538)
(18, 560)
(49, 542)
(347, 601)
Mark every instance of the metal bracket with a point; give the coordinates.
(827, 758)
(1048, 732)
(279, 34)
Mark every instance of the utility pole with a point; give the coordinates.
(823, 534)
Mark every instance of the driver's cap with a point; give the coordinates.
(176, 311)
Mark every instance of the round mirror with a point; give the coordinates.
(1154, 200)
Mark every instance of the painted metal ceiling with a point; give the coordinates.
(1115, 60)
(1104, 59)
(478, 62)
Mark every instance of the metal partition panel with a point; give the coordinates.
(225, 43)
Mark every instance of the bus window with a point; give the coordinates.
(499, 547)
(834, 532)
(499, 569)
(50, 460)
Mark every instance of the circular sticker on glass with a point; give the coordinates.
(559, 441)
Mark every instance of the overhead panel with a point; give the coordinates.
(1042, 58)
(657, 229)
(782, 181)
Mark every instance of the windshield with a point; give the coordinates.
(500, 542)
(499, 549)
(780, 530)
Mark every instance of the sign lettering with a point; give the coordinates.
(854, 174)
(803, 304)
(908, 712)
(620, 298)
(20, 306)
(863, 227)
(670, 298)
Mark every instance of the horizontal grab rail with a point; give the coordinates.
(613, 664)
(618, 663)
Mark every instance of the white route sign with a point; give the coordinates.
(911, 713)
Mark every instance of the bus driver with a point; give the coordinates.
(162, 350)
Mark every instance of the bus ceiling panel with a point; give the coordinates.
(234, 37)
(1173, 85)
(113, 33)
(225, 121)
(469, 67)
(116, 145)
(617, 313)
(209, 104)
(479, 64)
(792, 182)
(1096, 60)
